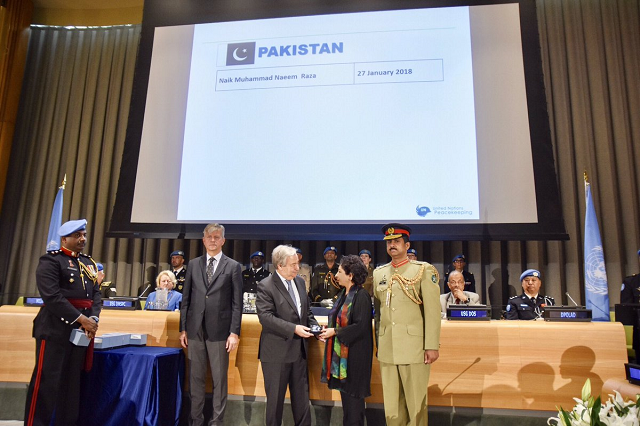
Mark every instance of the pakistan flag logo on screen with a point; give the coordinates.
(241, 53)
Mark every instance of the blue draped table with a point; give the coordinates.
(134, 385)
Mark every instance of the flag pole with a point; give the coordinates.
(595, 273)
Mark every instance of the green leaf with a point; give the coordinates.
(595, 413)
(564, 416)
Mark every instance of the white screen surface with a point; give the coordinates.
(366, 87)
(404, 104)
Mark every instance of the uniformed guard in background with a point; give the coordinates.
(68, 283)
(365, 256)
(106, 290)
(412, 254)
(630, 289)
(324, 285)
(256, 273)
(458, 263)
(630, 293)
(179, 269)
(407, 316)
(305, 271)
(530, 304)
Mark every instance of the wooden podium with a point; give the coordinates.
(525, 365)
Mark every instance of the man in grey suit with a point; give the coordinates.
(210, 318)
(285, 315)
(457, 295)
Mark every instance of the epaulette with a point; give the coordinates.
(382, 266)
(321, 264)
(469, 272)
(513, 297)
(85, 255)
(52, 252)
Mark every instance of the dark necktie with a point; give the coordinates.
(210, 270)
(293, 297)
(533, 300)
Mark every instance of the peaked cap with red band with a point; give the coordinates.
(392, 231)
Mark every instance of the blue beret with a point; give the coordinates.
(330, 248)
(72, 226)
(364, 252)
(530, 273)
(460, 256)
(298, 250)
(412, 251)
(638, 252)
(177, 253)
(257, 253)
(100, 266)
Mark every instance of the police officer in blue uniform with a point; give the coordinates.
(458, 263)
(179, 269)
(68, 283)
(324, 285)
(530, 304)
(256, 273)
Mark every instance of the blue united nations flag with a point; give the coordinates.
(595, 275)
(53, 239)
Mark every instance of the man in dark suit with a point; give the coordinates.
(210, 318)
(285, 315)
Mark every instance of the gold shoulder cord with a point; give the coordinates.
(92, 275)
(332, 279)
(408, 285)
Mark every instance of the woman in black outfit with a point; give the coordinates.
(349, 341)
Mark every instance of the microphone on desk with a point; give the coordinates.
(571, 298)
(145, 290)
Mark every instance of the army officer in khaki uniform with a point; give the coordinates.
(407, 300)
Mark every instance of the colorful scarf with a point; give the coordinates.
(336, 353)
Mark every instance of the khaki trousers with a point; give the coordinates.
(404, 388)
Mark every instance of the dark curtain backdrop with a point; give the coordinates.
(73, 116)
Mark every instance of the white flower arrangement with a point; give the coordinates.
(590, 412)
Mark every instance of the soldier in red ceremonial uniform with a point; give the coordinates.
(67, 282)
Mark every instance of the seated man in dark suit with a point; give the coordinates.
(285, 315)
(530, 304)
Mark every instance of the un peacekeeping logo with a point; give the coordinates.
(596, 274)
(422, 211)
(241, 53)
